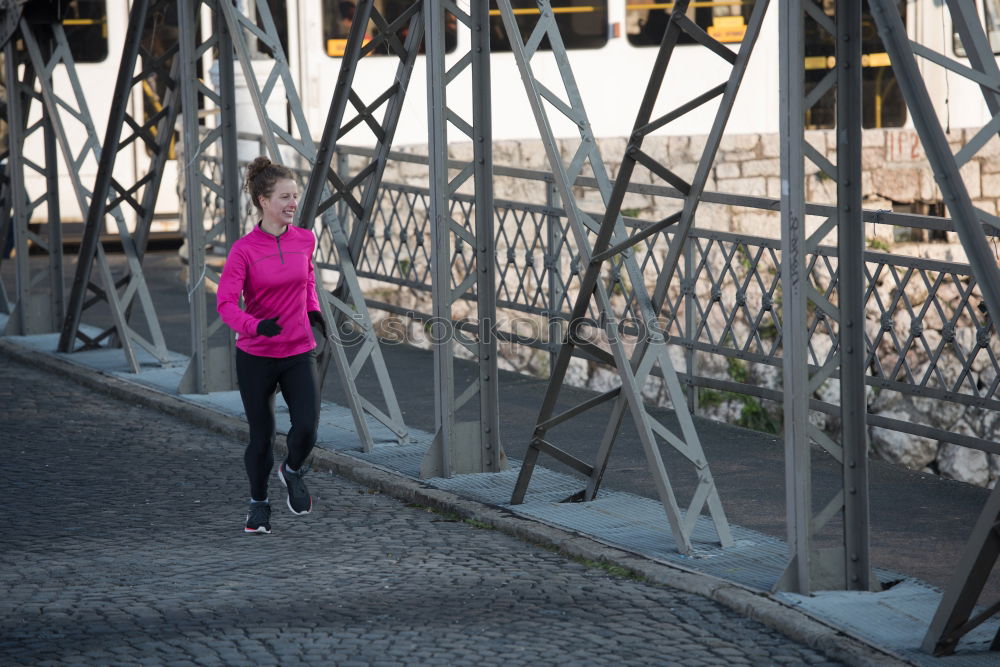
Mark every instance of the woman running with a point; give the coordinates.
(272, 269)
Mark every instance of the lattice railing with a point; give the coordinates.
(926, 335)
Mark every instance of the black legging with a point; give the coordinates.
(259, 377)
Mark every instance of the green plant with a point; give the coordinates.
(743, 256)
(450, 517)
(754, 416)
(878, 244)
(738, 370)
(631, 212)
(609, 568)
(768, 330)
(710, 398)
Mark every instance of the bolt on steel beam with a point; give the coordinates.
(600, 244)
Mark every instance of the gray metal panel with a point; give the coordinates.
(894, 619)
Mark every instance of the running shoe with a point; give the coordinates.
(258, 518)
(299, 500)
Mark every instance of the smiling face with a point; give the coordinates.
(278, 209)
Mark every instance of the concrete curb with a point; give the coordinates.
(770, 612)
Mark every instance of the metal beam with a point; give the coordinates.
(38, 294)
(338, 198)
(680, 221)
(156, 134)
(595, 291)
(811, 312)
(953, 618)
(463, 442)
(212, 364)
(45, 62)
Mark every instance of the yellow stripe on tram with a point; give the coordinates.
(555, 10)
(693, 5)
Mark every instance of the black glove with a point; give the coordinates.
(269, 327)
(316, 319)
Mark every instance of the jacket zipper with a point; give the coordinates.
(280, 256)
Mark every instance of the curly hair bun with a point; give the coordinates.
(255, 168)
(262, 174)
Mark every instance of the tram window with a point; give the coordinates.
(279, 14)
(86, 26)
(725, 20)
(338, 15)
(882, 102)
(159, 35)
(583, 24)
(991, 19)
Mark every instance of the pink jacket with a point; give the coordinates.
(276, 278)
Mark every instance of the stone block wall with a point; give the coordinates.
(896, 177)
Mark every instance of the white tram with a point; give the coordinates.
(611, 43)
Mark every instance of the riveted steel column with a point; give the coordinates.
(851, 276)
(461, 444)
(21, 323)
(39, 303)
(794, 282)
(57, 288)
(438, 461)
(223, 360)
(212, 364)
(555, 293)
(196, 378)
(811, 312)
(491, 452)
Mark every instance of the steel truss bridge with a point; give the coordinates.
(594, 265)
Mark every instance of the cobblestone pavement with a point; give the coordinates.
(123, 544)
